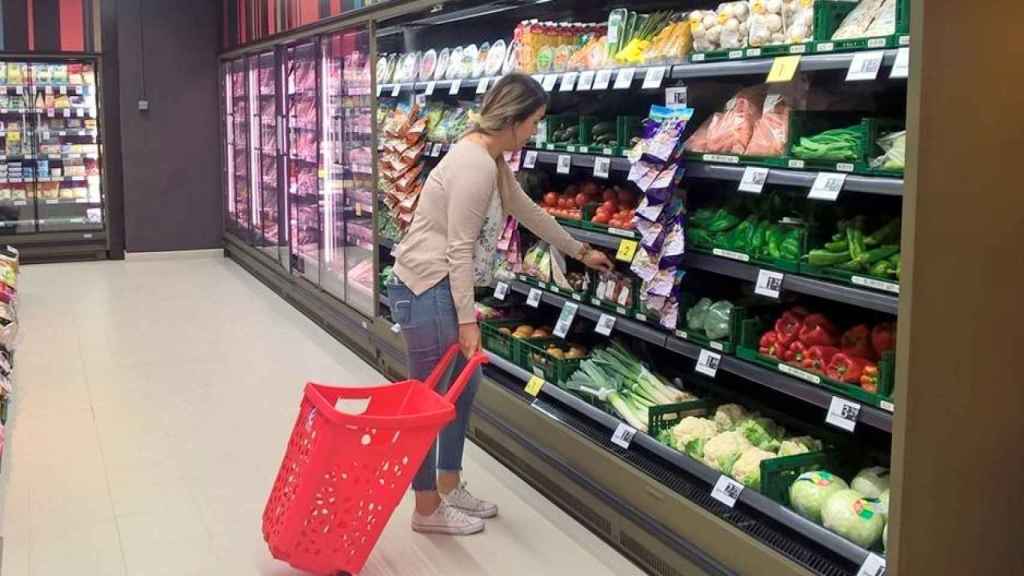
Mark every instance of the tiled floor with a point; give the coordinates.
(152, 403)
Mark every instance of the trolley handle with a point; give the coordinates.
(442, 367)
(455, 390)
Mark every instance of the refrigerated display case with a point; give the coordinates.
(348, 264)
(266, 167)
(303, 160)
(239, 208)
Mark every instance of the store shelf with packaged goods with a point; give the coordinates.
(774, 380)
(557, 400)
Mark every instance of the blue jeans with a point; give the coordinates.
(430, 326)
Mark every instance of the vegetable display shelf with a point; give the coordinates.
(768, 378)
(750, 502)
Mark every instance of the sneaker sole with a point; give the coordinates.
(477, 514)
(448, 530)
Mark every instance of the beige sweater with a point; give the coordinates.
(451, 211)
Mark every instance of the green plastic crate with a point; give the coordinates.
(559, 122)
(778, 474)
(877, 128)
(741, 311)
(537, 360)
(503, 345)
(888, 285)
(626, 128)
(668, 415)
(829, 15)
(718, 55)
(803, 124)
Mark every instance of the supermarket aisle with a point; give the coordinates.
(152, 403)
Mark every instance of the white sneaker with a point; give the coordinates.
(447, 520)
(461, 499)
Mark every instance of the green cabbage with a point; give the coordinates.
(799, 445)
(810, 491)
(748, 468)
(853, 517)
(722, 451)
(871, 482)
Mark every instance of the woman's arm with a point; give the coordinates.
(469, 195)
(517, 203)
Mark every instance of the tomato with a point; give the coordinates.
(626, 197)
(609, 195)
(601, 218)
(610, 206)
(581, 199)
(551, 199)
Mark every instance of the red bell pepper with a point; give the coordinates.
(787, 327)
(770, 345)
(857, 342)
(869, 379)
(883, 337)
(817, 330)
(817, 358)
(795, 353)
(846, 368)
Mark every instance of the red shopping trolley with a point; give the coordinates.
(343, 475)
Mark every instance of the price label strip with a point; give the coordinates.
(565, 319)
(754, 179)
(396, 90)
(623, 436)
(901, 68)
(625, 78)
(627, 251)
(455, 87)
(534, 386)
(530, 160)
(843, 414)
(564, 164)
(827, 186)
(568, 82)
(708, 362)
(549, 82)
(501, 291)
(874, 565)
(727, 491)
(605, 325)
(430, 88)
(586, 81)
(769, 283)
(654, 77)
(783, 69)
(602, 80)
(602, 167)
(481, 86)
(865, 66)
(533, 299)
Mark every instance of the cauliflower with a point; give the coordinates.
(729, 416)
(748, 468)
(799, 445)
(691, 433)
(762, 432)
(722, 451)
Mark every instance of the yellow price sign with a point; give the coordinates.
(783, 69)
(534, 385)
(627, 250)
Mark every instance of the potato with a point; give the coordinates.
(504, 330)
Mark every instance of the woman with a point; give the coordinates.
(448, 250)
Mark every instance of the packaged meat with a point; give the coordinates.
(766, 25)
(771, 133)
(732, 133)
(798, 16)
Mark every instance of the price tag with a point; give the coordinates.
(501, 291)
(865, 66)
(605, 325)
(654, 78)
(396, 328)
(676, 96)
(430, 88)
(627, 251)
(67, 113)
(534, 386)
(530, 160)
(901, 68)
(549, 82)
(80, 113)
(827, 186)
(727, 491)
(625, 78)
(481, 86)
(603, 78)
(568, 82)
(783, 69)
(874, 565)
(565, 319)
(769, 283)
(586, 81)
(843, 413)
(564, 164)
(455, 87)
(50, 113)
(623, 435)
(396, 90)
(602, 166)
(533, 299)
(707, 363)
(754, 179)
(63, 90)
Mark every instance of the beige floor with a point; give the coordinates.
(152, 403)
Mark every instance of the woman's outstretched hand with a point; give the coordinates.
(597, 260)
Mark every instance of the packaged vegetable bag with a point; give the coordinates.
(732, 133)
(771, 133)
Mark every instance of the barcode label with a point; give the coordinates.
(533, 299)
(605, 325)
(625, 78)
(530, 160)
(708, 362)
(843, 413)
(568, 82)
(564, 164)
(827, 186)
(586, 81)
(603, 78)
(565, 319)
(549, 82)
(754, 179)
(501, 291)
(623, 436)
(602, 167)
(727, 491)
(481, 86)
(430, 88)
(455, 87)
(654, 78)
(865, 66)
(769, 283)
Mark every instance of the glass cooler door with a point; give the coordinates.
(239, 147)
(266, 171)
(303, 158)
(18, 120)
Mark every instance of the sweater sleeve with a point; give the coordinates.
(469, 195)
(517, 203)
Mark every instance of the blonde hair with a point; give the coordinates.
(512, 99)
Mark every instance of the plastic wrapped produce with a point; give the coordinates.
(771, 133)
(894, 157)
(698, 141)
(857, 22)
(732, 133)
(718, 319)
(798, 16)
(722, 29)
(766, 24)
(885, 22)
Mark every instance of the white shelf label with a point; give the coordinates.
(568, 82)
(430, 88)
(826, 47)
(623, 436)
(396, 328)
(396, 90)
(455, 87)
(481, 86)
(654, 77)
(888, 406)
(731, 255)
(754, 179)
(603, 79)
(843, 413)
(876, 43)
(530, 160)
(605, 325)
(564, 164)
(707, 363)
(625, 78)
(827, 186)
(549, 82)
(676, 96)
(602, 166)
(769, 283)
(876, 284)
(798, 373)
(435, 151)
(901, 68)
(501, 291)
(565, 319)
(874, 565)
(865, 66)
(723, 158)
(727, 491)
(586, 81)
(533, 299)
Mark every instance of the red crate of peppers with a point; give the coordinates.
(812, 342)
